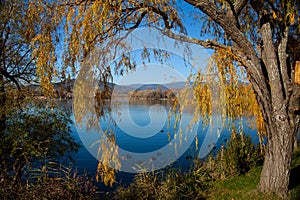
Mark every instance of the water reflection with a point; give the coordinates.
(160, 148)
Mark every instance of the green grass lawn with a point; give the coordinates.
(243, 186)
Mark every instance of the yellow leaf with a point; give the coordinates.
(274, 15)
(297, 72)
(292, 18)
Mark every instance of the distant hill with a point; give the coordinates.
(65, 89)
(123, 89)
(61, 88)
(154, 86)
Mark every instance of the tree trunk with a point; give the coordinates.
(295, 144)
(275, 174)
(2, 122)
(2, 106)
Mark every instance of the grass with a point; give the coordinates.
(244, 186)
(295, 180)
(199, 185)
(239, 187)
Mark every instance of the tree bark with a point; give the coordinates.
(276, 169)
(295, 148)
(2, 122)
(2, 106)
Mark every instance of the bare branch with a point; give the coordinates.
(211, 44)
(270, 59)
(282, 55)
(230, 28)
(7, 75)
(239, 5)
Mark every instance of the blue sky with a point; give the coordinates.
(179, 62)
(152, 73)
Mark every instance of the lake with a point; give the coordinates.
(147, 139)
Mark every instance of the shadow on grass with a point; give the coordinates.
(295, 177)
(294, 186)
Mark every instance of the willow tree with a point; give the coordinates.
(27, 47)
(21, 33)
(258, 35)
(16, 63)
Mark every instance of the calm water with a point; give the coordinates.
(140, 116)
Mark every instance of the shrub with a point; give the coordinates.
(144, 186)
(52, 181)
(237, 157)
(34, 134)
(167, 185)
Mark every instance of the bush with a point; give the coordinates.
(167, 185)
(187, 185)
(52, 181)
(144, 186)
(238, 157)
(32, 135)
